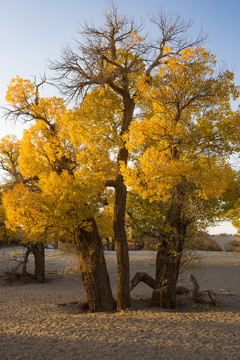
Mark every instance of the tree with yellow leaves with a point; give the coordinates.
(68, 187)
(170, 85)
(7, 236)
(180, 146)
(9, 163)
(115, 58)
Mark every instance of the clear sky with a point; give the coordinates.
(33, 32)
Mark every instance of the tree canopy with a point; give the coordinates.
(57, 158)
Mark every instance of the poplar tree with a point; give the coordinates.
(115, 57)
(181, 147)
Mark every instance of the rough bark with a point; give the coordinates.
(169, 252)
(93, 268)
(123, 276)
(39, 260)
(168, 259)
(167, 271)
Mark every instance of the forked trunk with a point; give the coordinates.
(39, 259)
(93, 268)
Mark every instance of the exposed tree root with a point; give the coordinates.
(144, 277)
(193, 293)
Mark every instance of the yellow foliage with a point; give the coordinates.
(182, 132)
(104, 222)
(23, 96)
(20, 92)
(185, 136)
(68, 154)
(9, 152)
(63, 202)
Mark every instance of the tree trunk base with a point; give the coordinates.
(39, 259)
(93, 268)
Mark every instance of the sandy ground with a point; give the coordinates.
(33, 326)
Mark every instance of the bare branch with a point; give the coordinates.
(98, 59)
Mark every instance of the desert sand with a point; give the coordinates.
(33, 325)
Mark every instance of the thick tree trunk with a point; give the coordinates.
(93, 267)
(167, 271)
(39, 259)
(123, 276)
(169, 252)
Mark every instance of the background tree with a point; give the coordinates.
(116, 57)
(7, 236)
(231, 198)
(9, 162)
(68, 187)
(181, 153)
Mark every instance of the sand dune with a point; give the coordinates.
(33, 326)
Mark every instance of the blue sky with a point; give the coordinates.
(33, 32)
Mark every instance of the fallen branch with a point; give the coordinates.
(144, 277)
(197, 296)
(193, 293)
(212, 296)
(147, 279)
